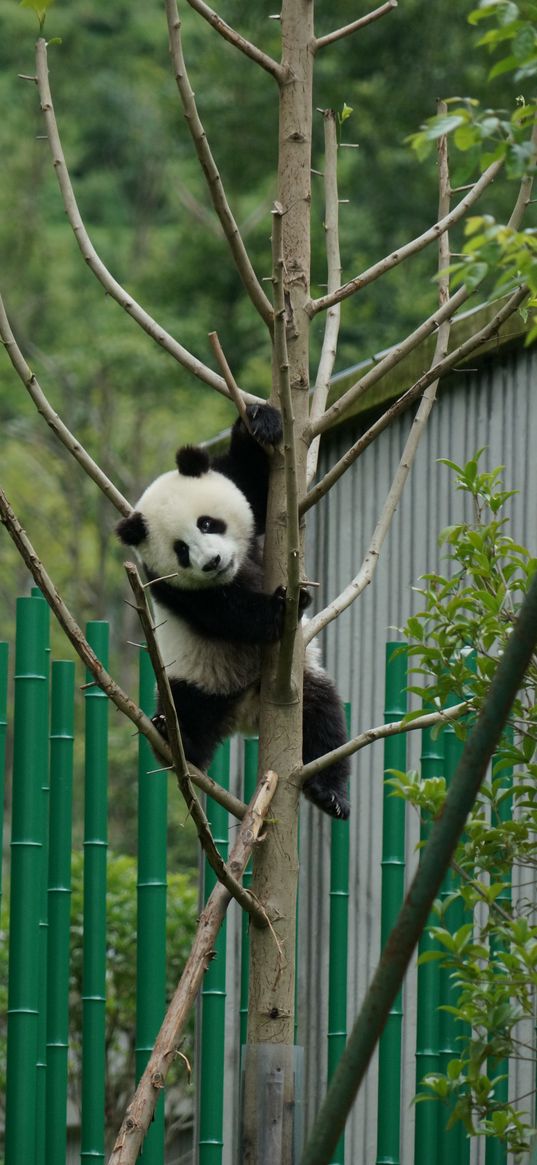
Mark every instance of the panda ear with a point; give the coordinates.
(192, 461)
(132, 530)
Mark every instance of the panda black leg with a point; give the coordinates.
(324, 729)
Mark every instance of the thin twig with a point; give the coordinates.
(410, 248)
(195, 809)
(444, 312)
(286, 647)
(214, 182)
(140, 1111)
(95, 263)
(370, 563)
(239, 42)
(233, 388)
(388, 362)
(399, 406)
(354, 26)
(395, 728)
(102, 677)
(333, 315)
(58, 427)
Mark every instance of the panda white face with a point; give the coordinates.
(194, 531)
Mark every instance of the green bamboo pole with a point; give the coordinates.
(251, 757)
(4, 657)
(393, 886)
(428, 995)
(338, 948)
(434, 862)
(151, 928)
(27, 875)
(454, 1143)
(213, 994)
(94, 945)
(41, 1114)
(59, 904)
(495, 1150)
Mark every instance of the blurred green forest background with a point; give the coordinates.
(146, 207)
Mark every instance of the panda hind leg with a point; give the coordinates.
(324, 728)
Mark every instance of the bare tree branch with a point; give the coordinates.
(444, 312)
(195, 809)
(102, 677)
(389, 361)
(233, 388)
(411, 248)
(210, 170)
(369, 565)
(395, 728)
(95, 263)
(238, 41)
(354, 26)
(54, 421)
(458, 355)
(286, 647)
(333, 315)
(140, 1111)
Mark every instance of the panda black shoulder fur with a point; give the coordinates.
(196, 529)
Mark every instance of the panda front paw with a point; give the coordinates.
(159, 722)
(265, 424)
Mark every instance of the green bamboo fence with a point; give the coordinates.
(251, 756)
(41, 1113)
(338, 946)
(94, 946)
(454, 1143)
(28, 875)
(4, 659)
(495, 1150)
(213, 994)
(59, 903)
(392, 893)
(151, 900)
(428, 988)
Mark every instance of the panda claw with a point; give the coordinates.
(334, 804)
(265, 424)
(159, 721)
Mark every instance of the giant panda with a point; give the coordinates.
(197, 530)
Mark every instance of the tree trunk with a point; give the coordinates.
(269, 1101)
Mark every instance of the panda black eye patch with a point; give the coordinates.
(209, 525)
(182, 552)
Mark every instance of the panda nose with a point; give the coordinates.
(212, 565)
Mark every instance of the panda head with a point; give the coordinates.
(192, 525)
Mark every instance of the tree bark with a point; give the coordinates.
(275, 876)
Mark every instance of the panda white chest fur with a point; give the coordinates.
(216, 666)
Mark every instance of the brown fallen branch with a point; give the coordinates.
(140, 1111)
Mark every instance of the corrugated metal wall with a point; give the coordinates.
(495, 407)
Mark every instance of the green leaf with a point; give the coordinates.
(40, 7)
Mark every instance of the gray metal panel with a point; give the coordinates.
(493, 407)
